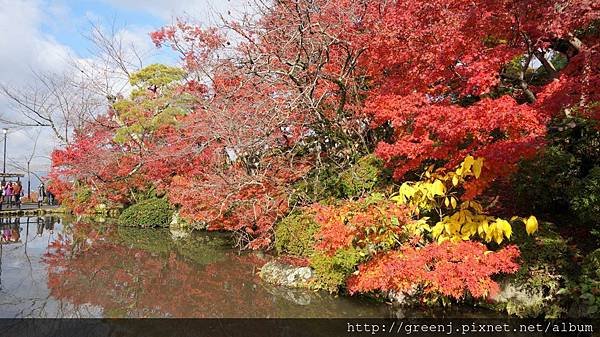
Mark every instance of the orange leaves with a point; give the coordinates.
(374, 223)
(449, 269)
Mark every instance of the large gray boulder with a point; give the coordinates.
(286, 275)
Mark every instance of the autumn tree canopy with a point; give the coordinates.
(262, 100)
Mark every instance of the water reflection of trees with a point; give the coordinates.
(199, 248)
(97, 269)
(128, 281)
(26, 295)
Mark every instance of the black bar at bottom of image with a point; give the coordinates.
(165, 327)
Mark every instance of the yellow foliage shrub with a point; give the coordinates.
(438, 193)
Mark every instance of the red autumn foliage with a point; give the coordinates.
(425, 56)
(92, 161)
(276, 94)
(359, 223)
(451, 132)
(450, 269)
(235, 201)
(230, 163)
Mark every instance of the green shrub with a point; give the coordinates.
(362, 177)
(147, 213)
(552, 184)
(294, 234)
(541, 183)
(331, 272)
(319, 184)
(585, 200)
(545, 248)
(328, 182)
(549, 284)
(587, 290)
(588, 297)
(591, 265)
(578, 136)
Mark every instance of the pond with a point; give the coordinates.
(51, 267)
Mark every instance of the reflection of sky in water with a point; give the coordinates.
(24, 276)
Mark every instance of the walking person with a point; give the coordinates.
(41, 195)
(17, 190)
(50, 198)
(8, 193)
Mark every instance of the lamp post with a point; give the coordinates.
(28, 181)
(5, 131)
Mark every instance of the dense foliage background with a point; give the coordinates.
(380, 139)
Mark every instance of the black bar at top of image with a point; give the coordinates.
(165, 327)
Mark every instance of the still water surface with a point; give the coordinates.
(55, 267)
(52, 268)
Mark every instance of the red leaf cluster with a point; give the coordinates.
(450, 269)
(359, 223)
(424, 57)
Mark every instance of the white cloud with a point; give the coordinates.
(138, 37)
(22, 45)
(27, 44)
(207, 10)
(25, 48)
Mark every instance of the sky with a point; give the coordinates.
(45, 35)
